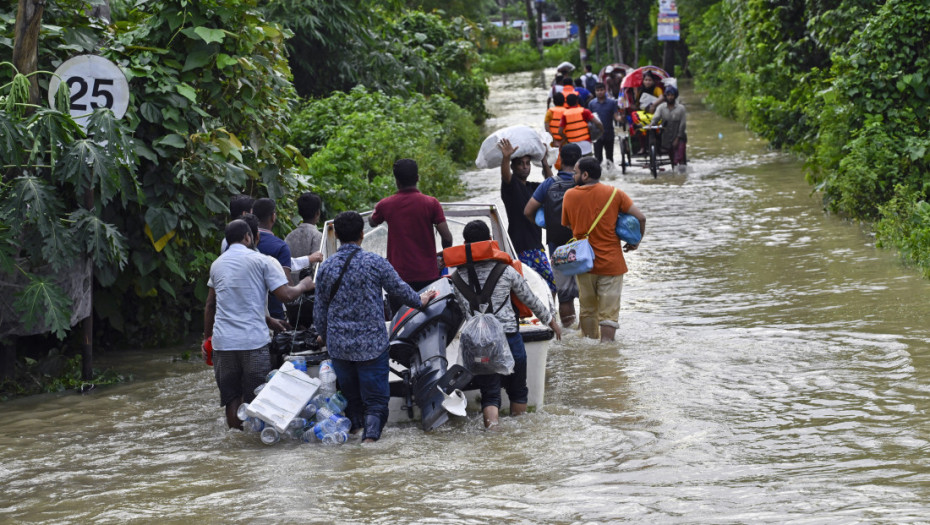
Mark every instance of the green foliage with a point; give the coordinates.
(50, 166)
(521, 56)
(211, 97)
(843, 82)
(339, 45)
(53, 372)
(352, 140)
(905, 225)
(42, 301)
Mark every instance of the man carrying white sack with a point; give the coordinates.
(525, 235)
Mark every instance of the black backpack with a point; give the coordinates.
(556, 234)
(589, 81)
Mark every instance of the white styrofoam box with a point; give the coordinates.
(284, 396)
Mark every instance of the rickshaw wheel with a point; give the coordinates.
(653, 159)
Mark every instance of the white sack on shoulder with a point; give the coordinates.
(524, 137)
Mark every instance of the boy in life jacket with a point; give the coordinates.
(504, 279)
(574, 124)
(553, 118)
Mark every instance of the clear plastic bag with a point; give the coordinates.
(484, 346)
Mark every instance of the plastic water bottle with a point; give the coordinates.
(270, 436)
(270, 375)
(336, 438)
(298, 422)
(299, 361)
(340, 423)
(241, 414)
(259, 388)
(308, 411)
(324, 412)
(327, 378)
(318, 401)
(322, 428)
(337, 403)
(253, 424)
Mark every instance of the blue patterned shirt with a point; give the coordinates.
(352, 322)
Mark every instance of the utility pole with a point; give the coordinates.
(539, 32)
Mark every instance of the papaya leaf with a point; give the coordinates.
(86, 162)
(11, 141)
(44, 304)
(33, 201)
(52, 130)
(102, 241)
(58, 247)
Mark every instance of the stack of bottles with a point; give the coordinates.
(321, 420)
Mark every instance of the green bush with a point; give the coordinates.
(905, 225)
(844, 83)
(339, 45)
(521, 56)
(352, 140)
(207, 120)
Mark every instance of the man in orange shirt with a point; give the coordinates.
(599, 290)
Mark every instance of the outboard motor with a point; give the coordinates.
(418, 341)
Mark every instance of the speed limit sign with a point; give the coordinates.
(94, 82)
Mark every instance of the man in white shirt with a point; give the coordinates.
(235, 316)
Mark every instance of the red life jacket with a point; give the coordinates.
(486, 251)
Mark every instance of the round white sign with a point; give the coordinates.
(95, 82)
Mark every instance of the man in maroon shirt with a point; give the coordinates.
(411, 216)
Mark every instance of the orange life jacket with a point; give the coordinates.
(486, 251)
(557, 112)
(576, 129)
(568, 90)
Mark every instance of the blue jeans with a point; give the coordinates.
(365, 385)
(515, 384)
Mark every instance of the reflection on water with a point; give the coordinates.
(771, 366)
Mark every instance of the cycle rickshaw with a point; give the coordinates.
(636, 131)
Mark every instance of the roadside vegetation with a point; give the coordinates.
(842, 83)
(214, 112)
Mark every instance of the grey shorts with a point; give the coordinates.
(239, 372)
(565, 285)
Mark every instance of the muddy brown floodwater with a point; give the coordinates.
(771, 367)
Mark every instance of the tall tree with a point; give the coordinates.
(26, 42)
(577, 11)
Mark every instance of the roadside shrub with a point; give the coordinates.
(352, 140)
(905, 225)
(521, 56)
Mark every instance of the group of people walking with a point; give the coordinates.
(257, 273)
(573, 112)
(571, 200)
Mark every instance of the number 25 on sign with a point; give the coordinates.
(94, 82)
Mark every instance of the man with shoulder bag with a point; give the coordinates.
(599, 289)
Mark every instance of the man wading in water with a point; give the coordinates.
(234, 316)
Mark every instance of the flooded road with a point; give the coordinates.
(771, 366)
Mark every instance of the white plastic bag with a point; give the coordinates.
(484, 346)
(524, 137)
